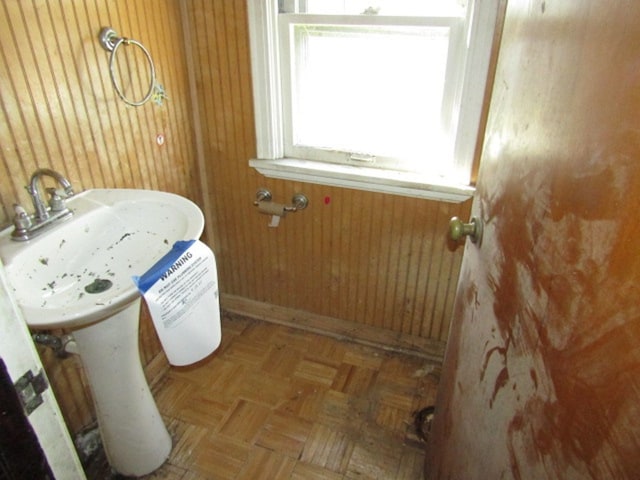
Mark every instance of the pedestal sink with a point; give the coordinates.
(77, 276)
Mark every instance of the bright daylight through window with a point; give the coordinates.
(379, 95)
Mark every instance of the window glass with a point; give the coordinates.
(375, 7)
(380, 95)
(376, 90)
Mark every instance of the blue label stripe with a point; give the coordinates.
(148, 279)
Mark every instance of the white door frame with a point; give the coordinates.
(19, 354)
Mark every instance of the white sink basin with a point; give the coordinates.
(77, 275)
(112, 235)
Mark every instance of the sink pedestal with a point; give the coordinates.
(134, 437)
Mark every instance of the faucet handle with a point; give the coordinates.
(21, 218)
(56, 199)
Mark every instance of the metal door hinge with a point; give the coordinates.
(29, 388)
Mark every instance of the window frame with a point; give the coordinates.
(270, 119)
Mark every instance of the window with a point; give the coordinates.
(384, 96)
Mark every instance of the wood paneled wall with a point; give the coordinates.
(362, 257)
(356, 257)
(58, 109)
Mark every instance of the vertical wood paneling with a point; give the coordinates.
(59, 110)
(374, 259)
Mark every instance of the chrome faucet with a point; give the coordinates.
(28, 226)
(40, 208)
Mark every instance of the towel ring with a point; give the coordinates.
(111, 42)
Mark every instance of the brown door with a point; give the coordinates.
(542, 371)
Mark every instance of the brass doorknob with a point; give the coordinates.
(458, 229)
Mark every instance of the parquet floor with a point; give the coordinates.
(278, 403)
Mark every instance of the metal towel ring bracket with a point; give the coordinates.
(111, 42)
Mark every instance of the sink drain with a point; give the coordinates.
(99, 285)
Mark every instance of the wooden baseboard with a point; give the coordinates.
(341, 329)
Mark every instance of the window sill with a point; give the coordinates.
(362, 178)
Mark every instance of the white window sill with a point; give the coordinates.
(362, 178)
